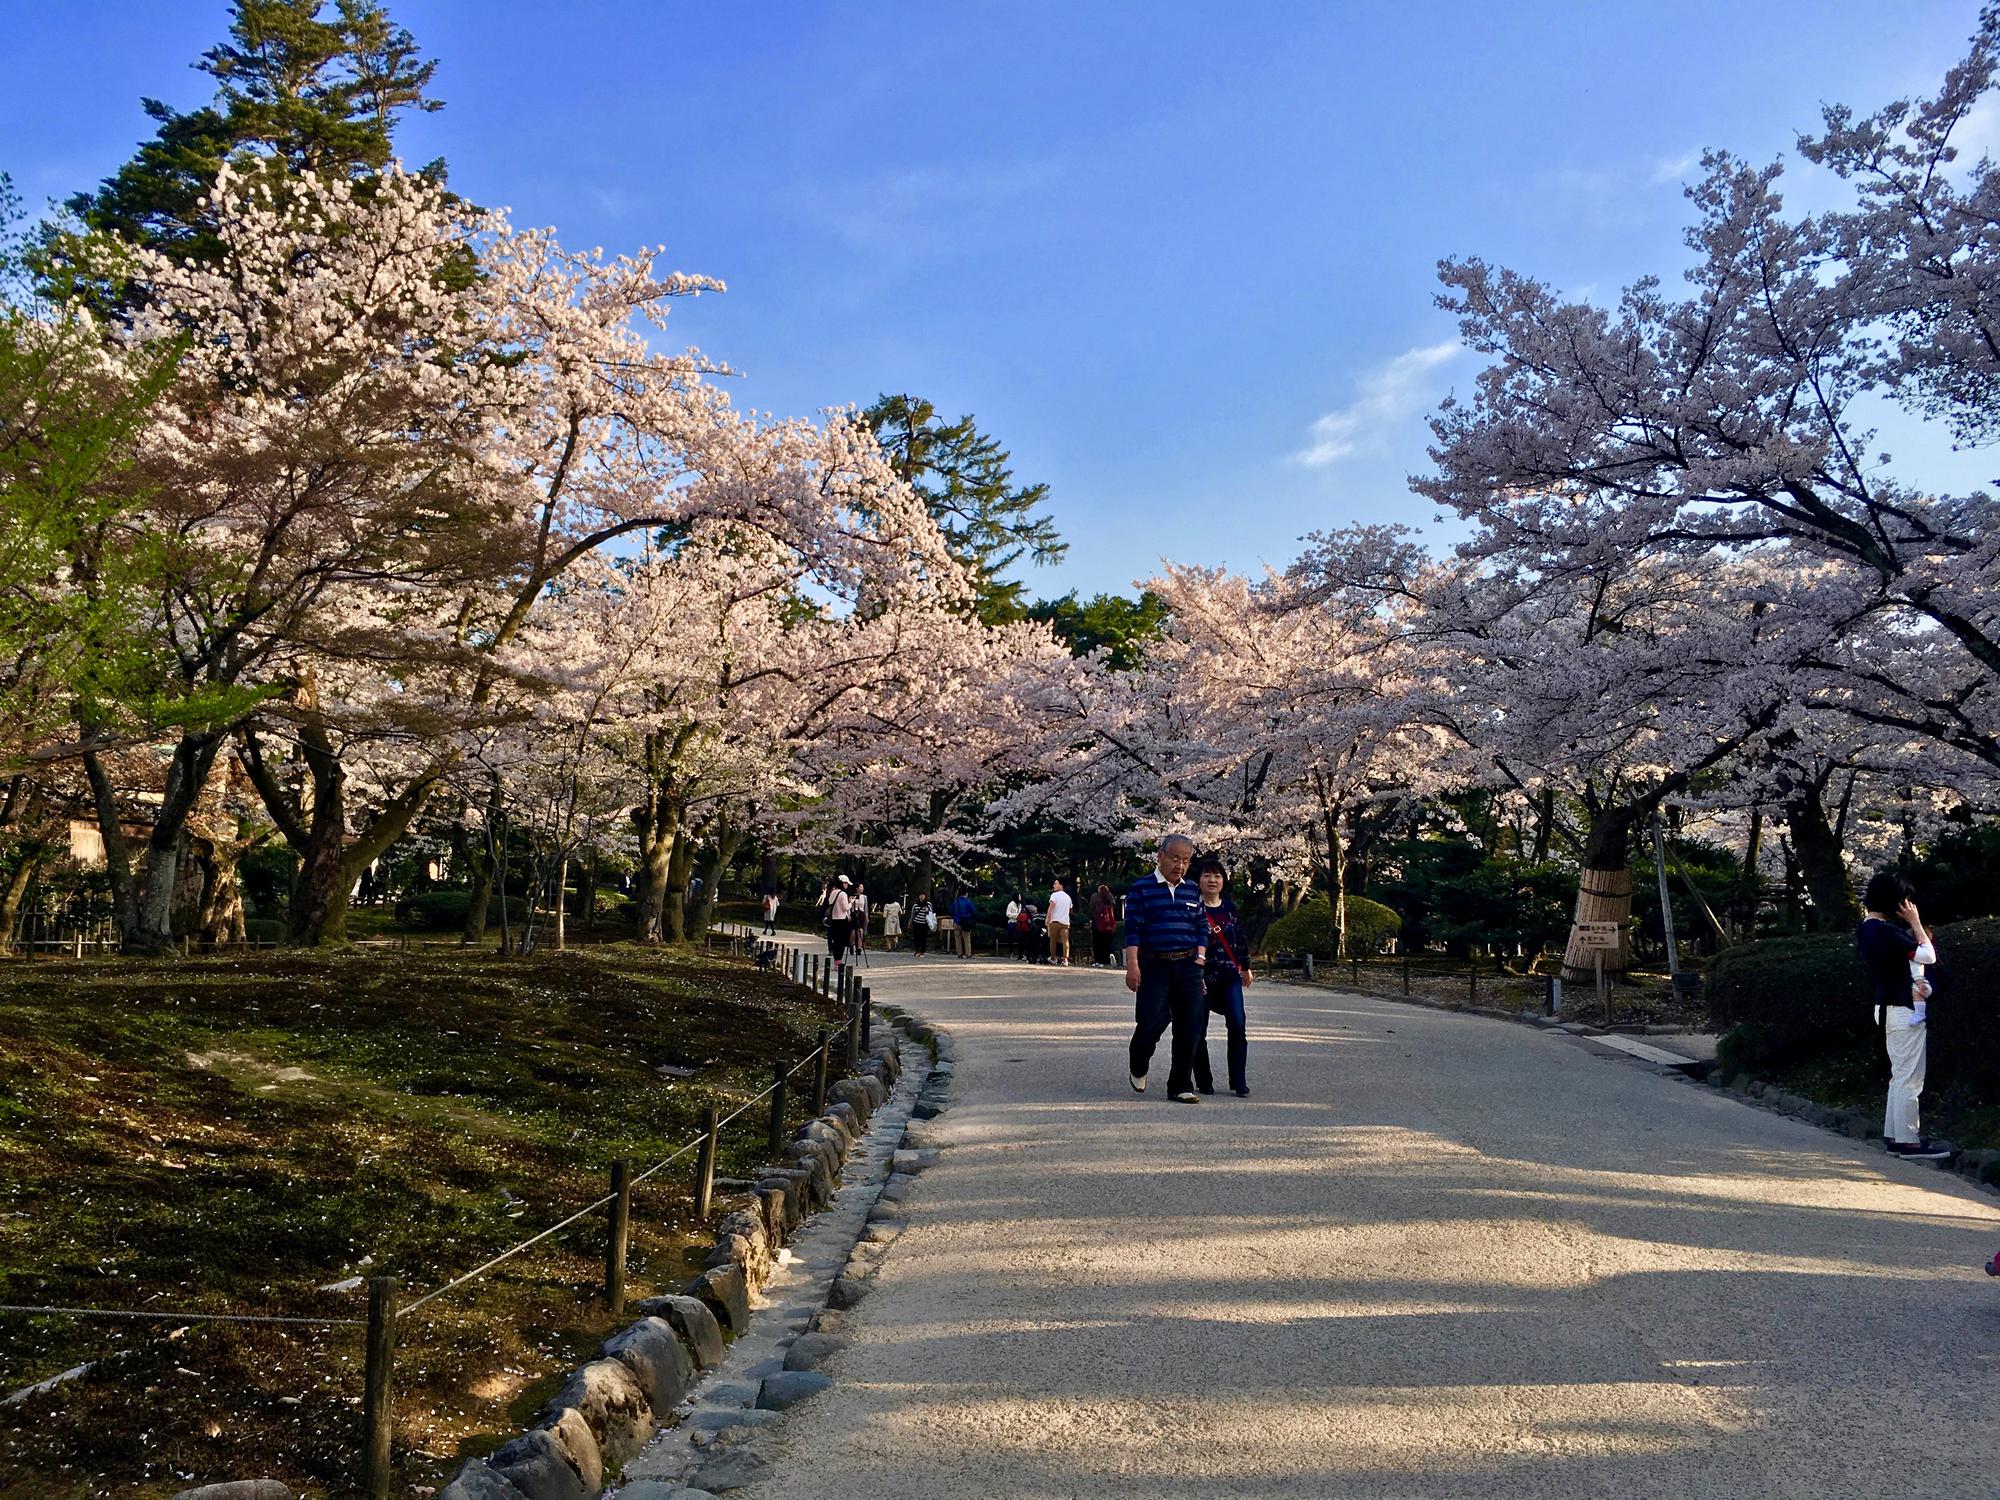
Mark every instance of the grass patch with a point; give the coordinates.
(229, 1134)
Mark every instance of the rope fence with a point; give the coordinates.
(384, 1312)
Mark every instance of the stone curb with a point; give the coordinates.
(1980, 1167)
(608, 1410)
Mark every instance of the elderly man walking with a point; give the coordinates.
(1166, 943)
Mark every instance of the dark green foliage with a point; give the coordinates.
(1308, 928)
(434, 911)
(300, 87)
(989, 522)
(1792, 1001)
(1123, 627)
(1450, 893)
(1959, 874)
(1713, 871)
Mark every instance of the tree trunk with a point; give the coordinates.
(680, 865)
(659, 828)
(1603, 892)
(1750, 885)
(479, 896)
(16, 892)
(221, 917)
(727, 842)
(152, 929)
(586, 894)
(117, 850)
(1817, 848)
(1545, 823)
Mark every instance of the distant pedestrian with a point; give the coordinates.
(1103, 925)
(839, 918)
(1226, 973)
(892, 924)
(1060, 905)
(923, 921)
(858, 919)
(1021, 931)
(1894, 949)
(770, 912)
(1166, 943)
(963, 915)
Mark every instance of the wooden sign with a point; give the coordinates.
(1602, 935)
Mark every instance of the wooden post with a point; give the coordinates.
(621, 1228)
(867, 1018)
(376, 1387)
(1472, 982)
(1355, 964)
(79, 942)
(819, 1072)
(781, 1071)
(1406, 976)
(1603, 991)
(854, 1026)
(704, 1165)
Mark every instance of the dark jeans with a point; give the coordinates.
(1169, 995)
(920, 938)
(1100, 946)
(1225, 998)
(836, 939)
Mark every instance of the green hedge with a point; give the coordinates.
(435, 911)
(1308, 927)
(1786, 1001)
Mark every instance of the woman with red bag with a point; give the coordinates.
(1228, 971)
(1103, 925)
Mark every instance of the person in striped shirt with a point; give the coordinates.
(1166, 944)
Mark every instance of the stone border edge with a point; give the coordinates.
(608, 1410)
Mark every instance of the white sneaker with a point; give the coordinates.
(1190, 1097)
(1138, 1083)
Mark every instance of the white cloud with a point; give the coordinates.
(1673, 168)
(1389, 394)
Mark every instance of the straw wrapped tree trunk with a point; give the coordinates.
(1604, 889)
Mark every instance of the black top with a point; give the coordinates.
(1886, 951)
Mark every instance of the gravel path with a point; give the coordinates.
(1432, 1255)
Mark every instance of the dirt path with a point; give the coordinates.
(1432, 1255)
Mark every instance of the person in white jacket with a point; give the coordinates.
(1895, 949)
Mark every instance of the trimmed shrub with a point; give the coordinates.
(263, 930)
(435, 911)
(1787, 1001)
(1308, 928)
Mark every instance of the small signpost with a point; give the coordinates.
(1600, 938)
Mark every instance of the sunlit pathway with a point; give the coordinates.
(1432, 1255)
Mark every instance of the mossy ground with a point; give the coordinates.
(228, 1134)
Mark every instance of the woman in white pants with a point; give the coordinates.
(1895, 948)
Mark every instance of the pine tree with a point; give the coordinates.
(988, 521)
(297, 88)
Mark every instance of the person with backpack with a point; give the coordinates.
(1894, 950)
(1103, 925)
(1225, 975)
(963, 915)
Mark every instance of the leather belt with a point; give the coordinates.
(1170, 954)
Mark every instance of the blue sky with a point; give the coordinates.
(1179, 257)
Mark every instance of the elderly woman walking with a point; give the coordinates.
(1226, 973)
